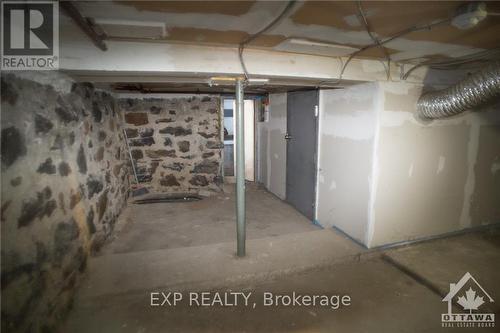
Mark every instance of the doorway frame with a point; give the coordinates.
(315, 155)
(232, 179)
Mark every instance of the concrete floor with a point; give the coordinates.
(209, 221)
(397, 290)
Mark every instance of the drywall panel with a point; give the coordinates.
(432, 178)
(261, 140)
(485, 205)
(272, 146)
(149, 60)
(421, 180)
(347, 128)
(385, 177)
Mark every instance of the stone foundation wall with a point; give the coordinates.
(64, 182)
(175, 142)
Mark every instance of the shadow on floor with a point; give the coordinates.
(189, 248)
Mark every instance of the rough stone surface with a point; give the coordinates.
(183, 146)
(13, 145)
(155, 109)
(215, 145)
(99, 155)
(47, 167)
(51, 196)
(94, 186)
(8, 93)
(160, 153)
(207, 135)
(42, 124)
(165, 120)
(137, 154)
(75, 197)
(102, 205)
(147, 132)
(71, 139)
(16, 181)
(179, 148)
(58, 143)
(38, 207)
(169, 180)
(64, 169)
(96, 112)
(148, 141)
(176, 131)
(208, 154)
(90, 221)
(174, 166)
(64, 236)
(199, 180)
(132, 133)
(206, 166)
(102, 135)
(136, 118)
(66, 113)
(167, 142)
(81, 160)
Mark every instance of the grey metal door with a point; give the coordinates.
(301, 150)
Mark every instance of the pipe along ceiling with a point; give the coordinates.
(476, 90)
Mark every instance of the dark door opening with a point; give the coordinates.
(301, 150)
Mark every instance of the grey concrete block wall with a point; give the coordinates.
(64, 182)
(175, 142)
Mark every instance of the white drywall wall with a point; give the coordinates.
(432, 178)
(347, 126)
(272, 146)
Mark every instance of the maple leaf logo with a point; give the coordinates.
(470, 301)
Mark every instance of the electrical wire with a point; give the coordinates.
(252, 37)
(427, 26)
(470, 60)
(450, 64)
(375, 40)
(329, 81)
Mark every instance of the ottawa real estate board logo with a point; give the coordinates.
(467, 294)
(30, 35)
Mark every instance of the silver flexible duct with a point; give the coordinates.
(475, 90)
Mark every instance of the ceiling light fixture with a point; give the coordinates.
(306, 46)
(230, 80)
(256, 80)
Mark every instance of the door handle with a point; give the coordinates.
(288, 136)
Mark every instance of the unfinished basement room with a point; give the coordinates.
(250, 166)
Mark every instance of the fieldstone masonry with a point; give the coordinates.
(64, 182)
(176, 143)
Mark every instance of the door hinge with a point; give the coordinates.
(316, 111)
